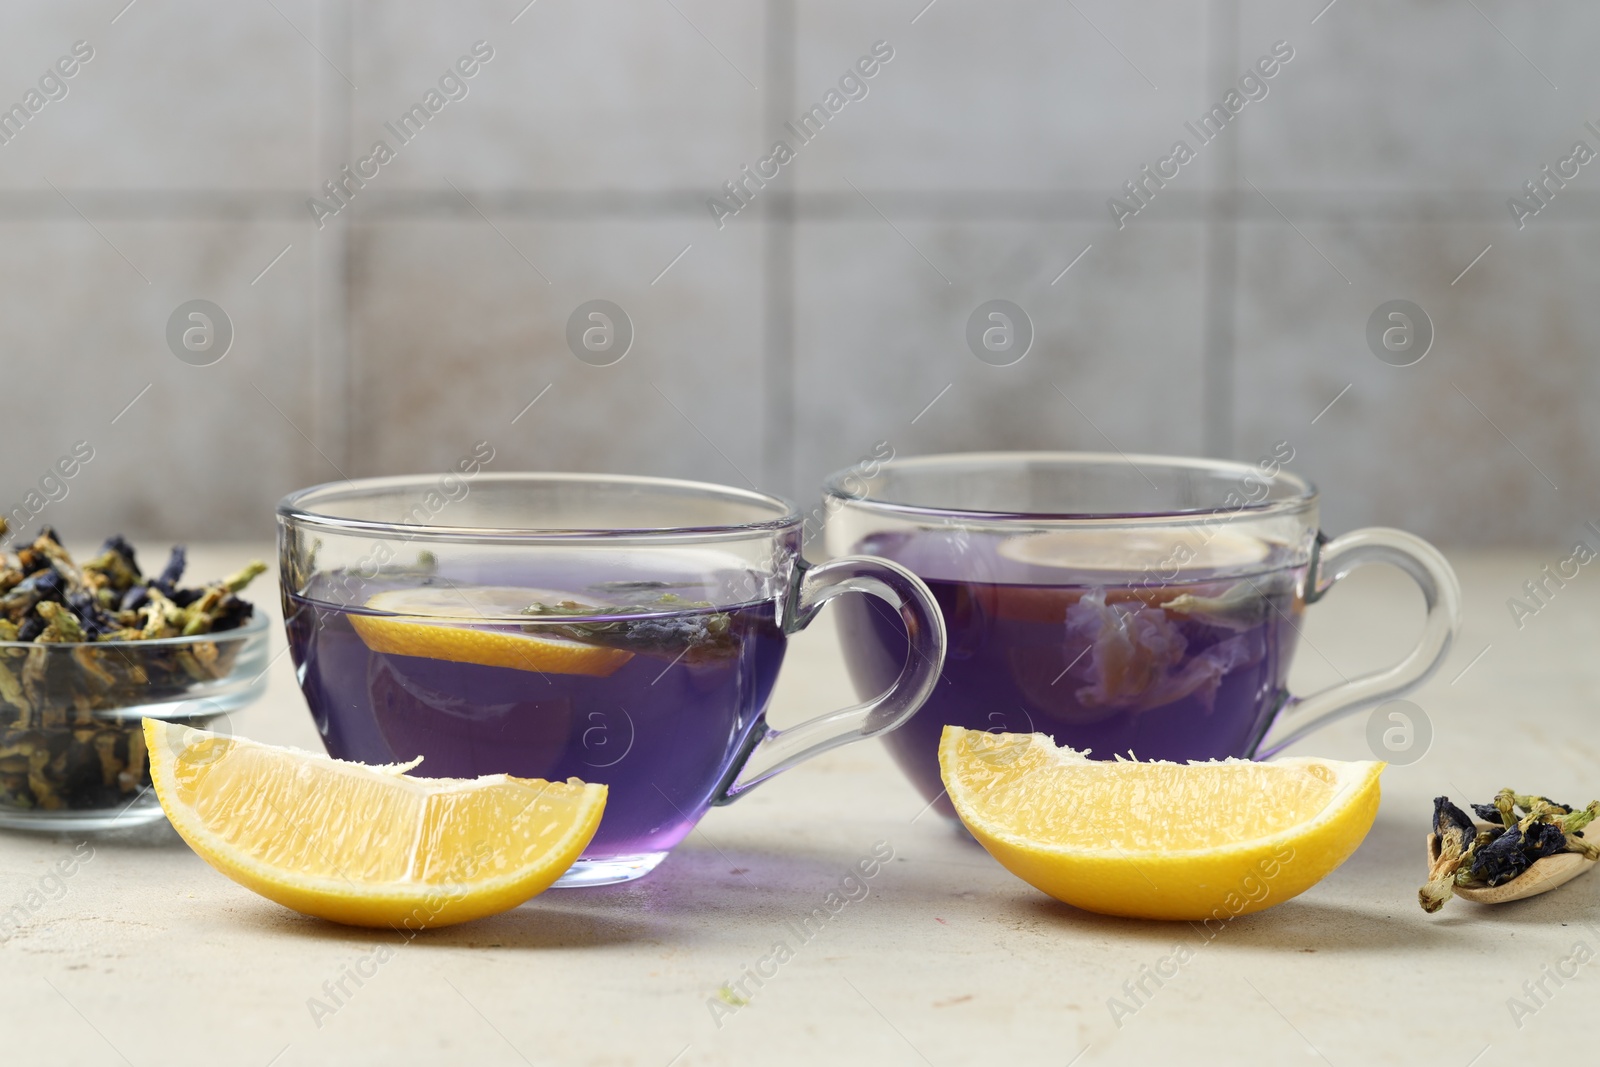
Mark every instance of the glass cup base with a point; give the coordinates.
(609, 871)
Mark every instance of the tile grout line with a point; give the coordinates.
(779, 434)
(331, 395)
(347, 372)
(1220, 261)
(1484, 208)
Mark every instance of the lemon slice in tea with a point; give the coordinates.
(1133, 551)
(448, 622)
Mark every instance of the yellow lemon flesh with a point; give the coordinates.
(436, 622)
(364, 845)
(1157, 840)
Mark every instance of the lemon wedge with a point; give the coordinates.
(363, 845)
(1157, 840)
(427, 622)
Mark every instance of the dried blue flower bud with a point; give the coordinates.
(1488, 813)
(173, 571)
(1447, 817)
(119, 544)
(1543, 839)
(694, 637)
(1502, 860)
(91, 618)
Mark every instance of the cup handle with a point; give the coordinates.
(770, 751)
(1441, 593)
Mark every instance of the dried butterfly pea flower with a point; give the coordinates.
(59, 676)
(640, 585)
(1474, 857)
(1456, 836)
(1490, 814)
(1242, 606)
(10, 688)
(1448, 818)
(173, 571)
(672, 626)
(60, 624)
(36, 588)
(217, 602)
(1514, 851)
(1543, 839)
(1487, 835)
(1139, 658)
(1502, 860)
(114, 566)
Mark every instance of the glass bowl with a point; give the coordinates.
(72, 755)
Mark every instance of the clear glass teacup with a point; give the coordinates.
(1130, 605)
(620, 630)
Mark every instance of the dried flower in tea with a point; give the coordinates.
(1139, 659)
(1242, 606)
(670, 626)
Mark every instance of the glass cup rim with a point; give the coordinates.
(297, 509)
(1303, 499)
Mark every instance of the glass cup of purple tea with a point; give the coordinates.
(620, 630)
(1130, 605)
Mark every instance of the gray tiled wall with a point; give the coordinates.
(829, 313)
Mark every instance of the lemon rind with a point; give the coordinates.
(210, 846)
(1349, 787)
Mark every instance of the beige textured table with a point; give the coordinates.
(148, 957)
